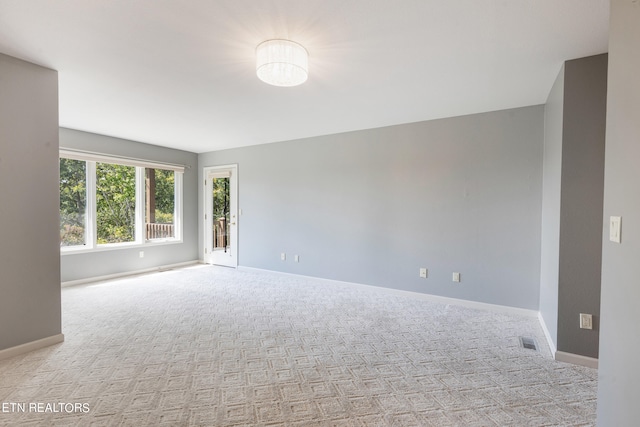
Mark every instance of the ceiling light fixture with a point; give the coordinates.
(282, 63)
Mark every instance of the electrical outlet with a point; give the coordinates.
(283, 256)
(141, 254)
(424, 273)
(296, 258)
(586, 321)
(456, 277)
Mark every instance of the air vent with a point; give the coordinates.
(529, 343)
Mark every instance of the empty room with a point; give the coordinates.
(299, 213)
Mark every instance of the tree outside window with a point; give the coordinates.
(104, 203)
(73, 197)
(115, 203)
(160, 203)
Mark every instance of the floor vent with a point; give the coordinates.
(529, 343)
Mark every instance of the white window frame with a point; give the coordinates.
(91, 238)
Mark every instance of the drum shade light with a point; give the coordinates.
(282, 63)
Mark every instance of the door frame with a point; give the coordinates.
(208, 213)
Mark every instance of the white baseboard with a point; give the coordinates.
(577, 359)
(547, 335)
(31, 346)
(427, 297)
(127, 273)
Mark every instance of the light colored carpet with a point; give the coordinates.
(217, 347)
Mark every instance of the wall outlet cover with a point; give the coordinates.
(586, 321)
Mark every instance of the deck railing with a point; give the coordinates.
(220, 233)
(159, 231)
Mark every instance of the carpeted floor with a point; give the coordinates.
(210, 346)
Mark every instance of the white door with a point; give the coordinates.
(221, 215)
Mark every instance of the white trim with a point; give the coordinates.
(140, 207)
(427, 297)
(90, 217)
(81, 249)
(125, 274)
(576, 359)
(31, 346)
(212, 173)
(547, 335)
(222, 171)
(120, 160)
(178, 210)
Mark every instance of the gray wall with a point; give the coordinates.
(460, 194)
(76, 266)
(619, 374)
(29, 261)
(551, 180)
(583, 142)
(573, 186)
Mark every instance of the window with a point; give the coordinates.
(115, 203)
(73, 202)
(159, 203)
(107, 202)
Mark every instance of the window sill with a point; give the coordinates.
(72, 250)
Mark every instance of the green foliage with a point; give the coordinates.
(72, 201)
(165, 190)
(115, 202)
(220, 197)
(221, 212)
(164, 218)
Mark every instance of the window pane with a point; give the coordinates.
(115, 203)
(73, 202)
(221, 212)
(160, 203)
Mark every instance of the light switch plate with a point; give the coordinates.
(615, 225)
(456, 277)
(423, 273)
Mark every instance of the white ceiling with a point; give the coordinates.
(182, 73)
